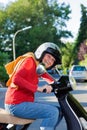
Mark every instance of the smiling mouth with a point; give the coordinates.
(47, 64)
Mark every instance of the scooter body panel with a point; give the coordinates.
(76, 106)
(72, 120)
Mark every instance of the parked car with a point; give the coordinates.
(78, 72)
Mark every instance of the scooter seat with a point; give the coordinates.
(83, 122)
(7, 118)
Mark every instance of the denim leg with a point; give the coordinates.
(34, 110)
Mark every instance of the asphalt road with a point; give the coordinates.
(80, 94)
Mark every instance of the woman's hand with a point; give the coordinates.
(48, 88)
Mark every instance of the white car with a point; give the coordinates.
(78, 72)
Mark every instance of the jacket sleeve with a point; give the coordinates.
(26, 77)
(48, 78)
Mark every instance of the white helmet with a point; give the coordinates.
(50, 48)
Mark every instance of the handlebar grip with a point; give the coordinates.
(64, 90)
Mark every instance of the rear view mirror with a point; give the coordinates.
(40, 69)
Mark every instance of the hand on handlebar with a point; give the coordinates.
(45, 88)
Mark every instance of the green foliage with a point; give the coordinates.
(4, 57)
(83, 25)
(3, 74)
(3, 61)
(67, 58)
(48, 23)
(82, 33)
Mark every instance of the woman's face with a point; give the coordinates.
(48, 60)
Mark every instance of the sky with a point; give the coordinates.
(74, 23)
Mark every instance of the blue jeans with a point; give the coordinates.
(35, 110)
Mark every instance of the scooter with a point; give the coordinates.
(74, 114)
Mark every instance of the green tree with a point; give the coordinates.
(82, 33)
(3, 60)
(67, 55)
(48, 21)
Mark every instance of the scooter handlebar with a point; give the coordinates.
(60, 90)
(63, 85)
